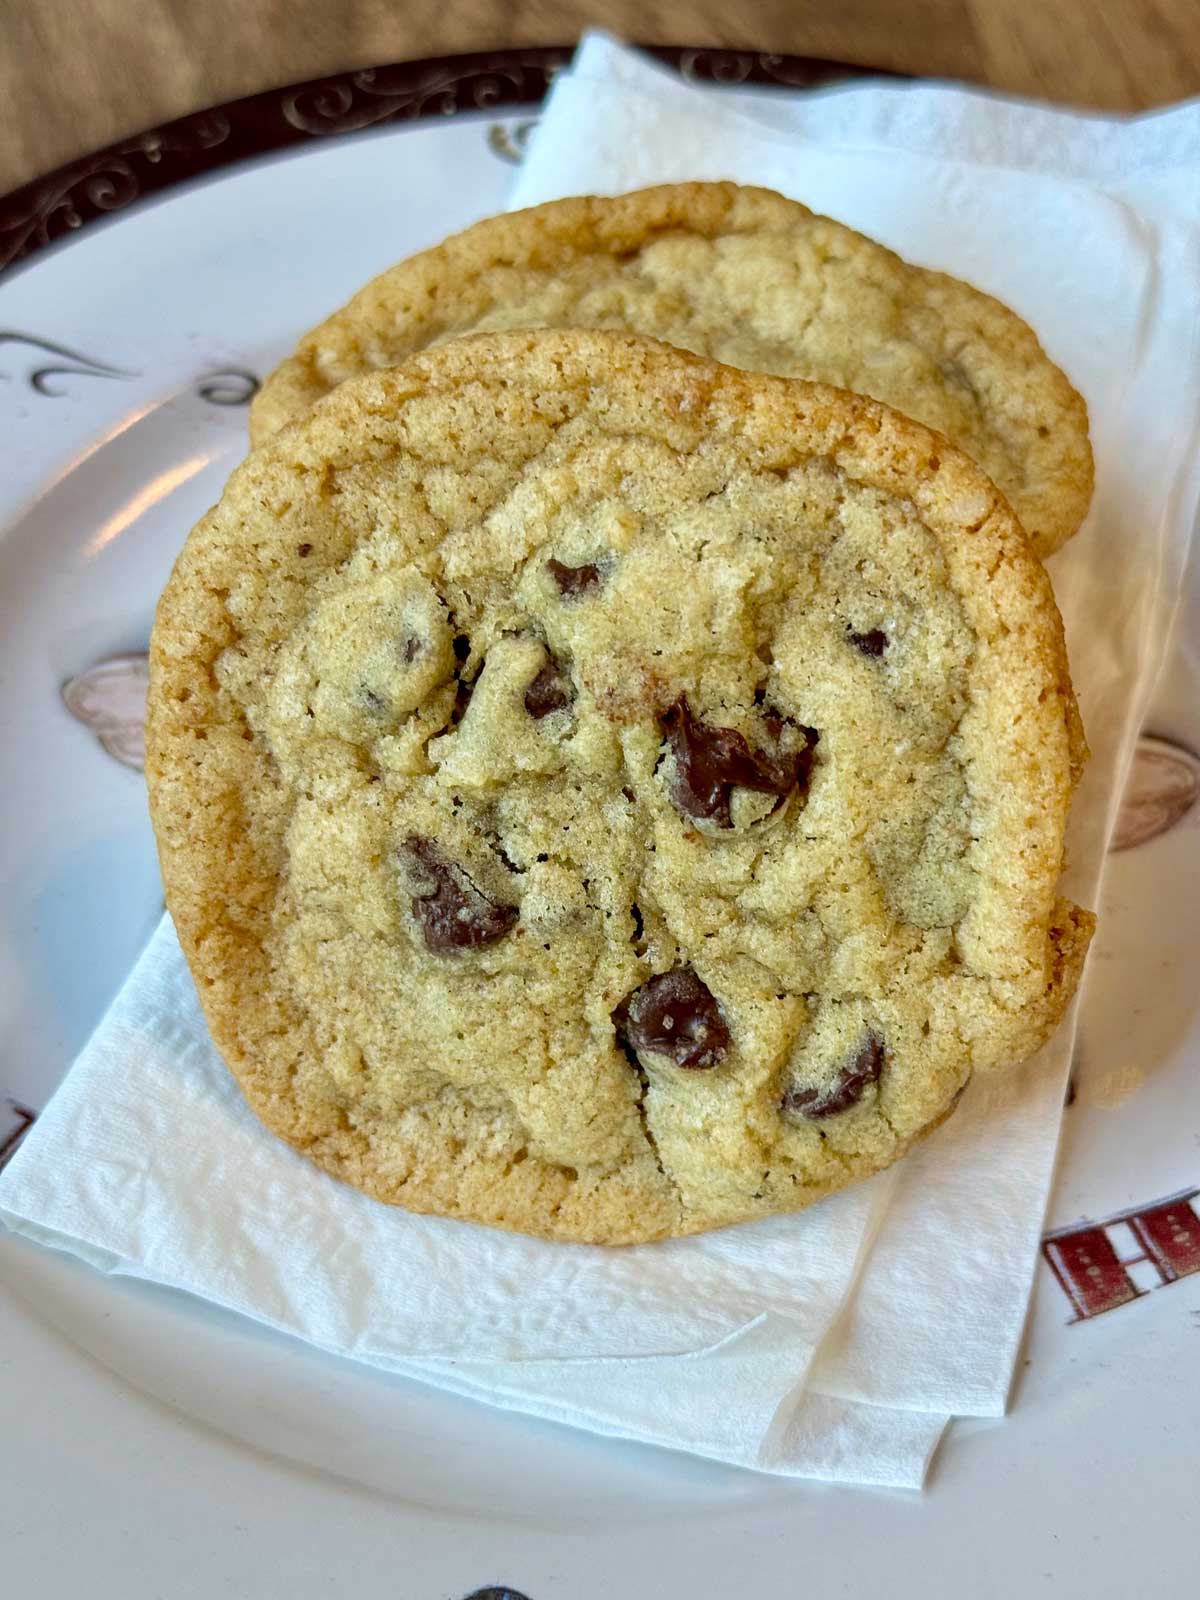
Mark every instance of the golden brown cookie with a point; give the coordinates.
(607, 794)
(749, 278)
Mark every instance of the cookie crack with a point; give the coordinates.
(644, 1119)
(643, 1114)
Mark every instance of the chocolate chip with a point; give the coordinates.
(411, 648)
(675, 1015)
(550, 691)
(573, 581)
(710, 762)
(854, 1076)
(304, 549)
(775, 721)
(453, 912)
(873, 643)
(462, 699)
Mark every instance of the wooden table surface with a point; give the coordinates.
(77, 74)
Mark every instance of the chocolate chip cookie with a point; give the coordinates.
(749, 278)
(608, 794)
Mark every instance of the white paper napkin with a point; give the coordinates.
(838, 1343)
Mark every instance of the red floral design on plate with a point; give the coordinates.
(1092, 1260)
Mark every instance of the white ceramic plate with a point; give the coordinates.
(152, 1446)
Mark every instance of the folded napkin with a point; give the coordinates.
(837, 1343)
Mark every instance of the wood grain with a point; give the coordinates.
(77, 74)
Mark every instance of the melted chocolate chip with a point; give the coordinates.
(304, 549)
(855, 1075)
(573, 581)
(873, 643)
(411, 648)
(805, 758)
(675, 1015)
(550, 691)
(710, 762)
(453, 913)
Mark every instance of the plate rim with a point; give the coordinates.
(54, 208)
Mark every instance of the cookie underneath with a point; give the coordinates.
(610, 795)
(746, 277)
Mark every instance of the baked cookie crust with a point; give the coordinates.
(607, 794)
(748, 278)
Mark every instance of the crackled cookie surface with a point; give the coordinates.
(749, 278)
(611, 795)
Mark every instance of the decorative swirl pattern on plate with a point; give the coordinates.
(231, 386)
(378, 94)
(223, 386)
(72, 363)
(510, 140)
(64, 201)
(749, 66)
(35, 215)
